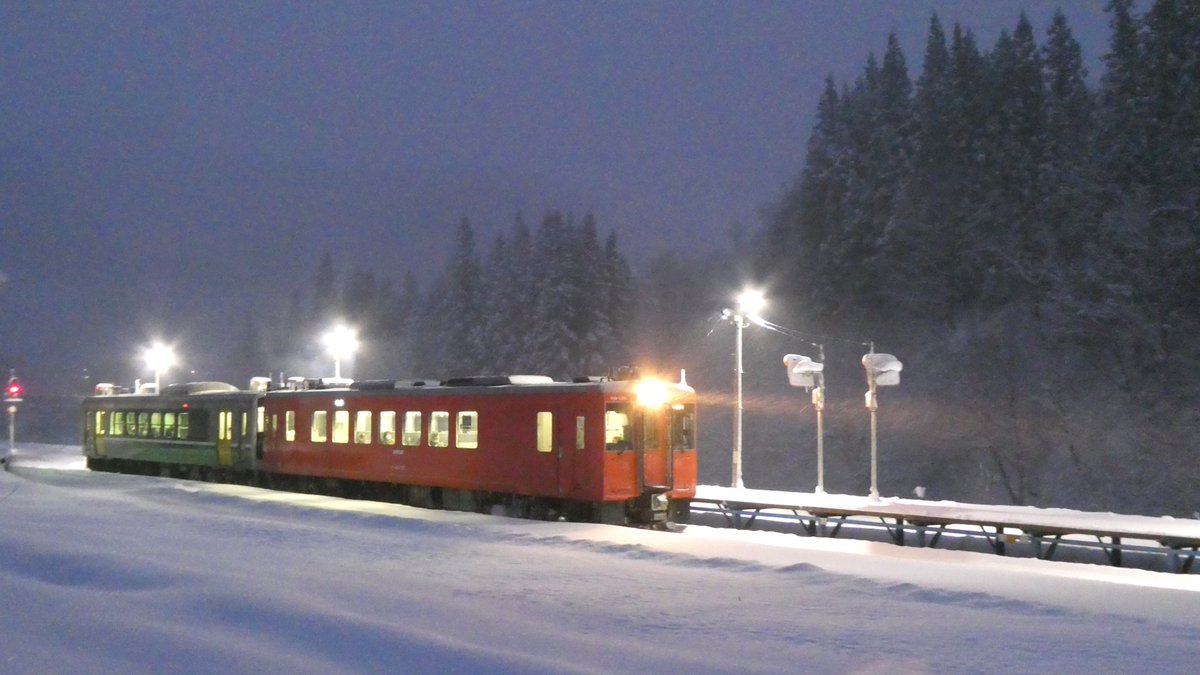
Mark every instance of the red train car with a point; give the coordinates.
(598, 450)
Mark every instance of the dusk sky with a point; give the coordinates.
(166, 168)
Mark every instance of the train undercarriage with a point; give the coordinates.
(651, 509)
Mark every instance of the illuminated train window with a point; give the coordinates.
(341, 426)
(387, 427)
(439, 429)
(362, 426)
(545, 431)
(618, 429)
(320, 426)
(412, 428)
(467, 430)
(289, 425)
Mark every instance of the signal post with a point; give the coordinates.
(12, 396)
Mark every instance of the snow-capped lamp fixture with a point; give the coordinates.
(750, 303)
(804, 372)
(883, 370)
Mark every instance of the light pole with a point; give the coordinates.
(804, 372)
(159, 357)
(341, 342)
(883, 370)
(749, 303)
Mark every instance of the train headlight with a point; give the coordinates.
(652, 393)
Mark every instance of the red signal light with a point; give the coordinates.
(14, 390)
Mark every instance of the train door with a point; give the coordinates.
(654, 456)
(570, 445)
(95, 428)
(225, 440)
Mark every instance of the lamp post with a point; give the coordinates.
(883, 370)
(749, 303)
(340, 342)
(804, 372)
(159, 357)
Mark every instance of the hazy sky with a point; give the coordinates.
(167, 167)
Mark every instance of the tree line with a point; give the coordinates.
(554, 300)
(1034, 239)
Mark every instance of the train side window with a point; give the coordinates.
(579, 435)
(412, 428)
(156, 425)
(545, 431)
(439, 429)
(118, 424)
(289, 425)
(341, 426)
(362, 426)
(168, 425)
(131, 424)
(682, 430)
(618, 432)
(183, 426)
(467, 431)
(387, 427)
(100, 428)
(320, 426)
(262, 419)
(143, 425)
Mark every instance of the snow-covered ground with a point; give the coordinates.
(108, 573)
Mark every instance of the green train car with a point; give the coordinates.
(188, 430)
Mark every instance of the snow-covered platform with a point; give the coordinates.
(925, 521)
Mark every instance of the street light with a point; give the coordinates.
(341, 342)
(749, 303)
(883, 370)
(159, 357)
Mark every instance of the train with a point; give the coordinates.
(595, 449)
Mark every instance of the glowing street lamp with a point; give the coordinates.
(750, 303)
(341, 342)
(159, 357)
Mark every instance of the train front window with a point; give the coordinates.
(682, 431)
(618, 429)
(650, 435)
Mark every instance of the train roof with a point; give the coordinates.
(313, 386)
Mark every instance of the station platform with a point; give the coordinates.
(924, 523)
